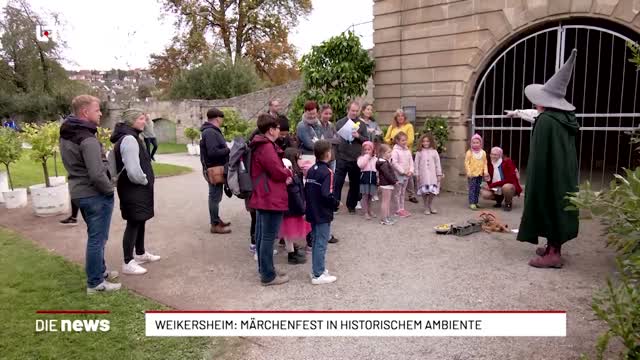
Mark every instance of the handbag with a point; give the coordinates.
(215, 175)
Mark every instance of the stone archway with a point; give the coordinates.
(165, 130)
(603, 88)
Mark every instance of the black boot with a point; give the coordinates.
(296, 258)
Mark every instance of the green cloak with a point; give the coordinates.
(552, 172)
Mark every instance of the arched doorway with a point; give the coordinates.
(165, 130)
(604, 88)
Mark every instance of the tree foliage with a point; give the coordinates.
(234, 125)
(439, 128)
(32, 81)
(44, 141)
(192, 134)
(10, 149)
(215, 79)
(334, 72)
(256, 30)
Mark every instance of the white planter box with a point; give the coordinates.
(4, 184)
(48, 201)
(193, 149)
(57, 180)
(15, 199)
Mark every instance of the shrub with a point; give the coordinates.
(10, 149)
(234, 125)
(439, 128)
(618, 305)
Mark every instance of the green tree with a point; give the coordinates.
(32, 81)
(44, 142)
(215, 79)
(334, 72)
(192, 134)
(10, 149)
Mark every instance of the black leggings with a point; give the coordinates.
(133, 238)
(253, 226)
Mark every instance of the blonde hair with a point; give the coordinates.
(399, 112)
(81, 101)
(383, 149)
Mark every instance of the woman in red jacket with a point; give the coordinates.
(269, 197)
(504, 180)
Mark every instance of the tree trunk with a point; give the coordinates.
(9, 177)
(55, 163)
(46, 172)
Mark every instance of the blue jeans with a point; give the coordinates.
(267, 228)
(321, 234)
(96, 211)
(215, 196)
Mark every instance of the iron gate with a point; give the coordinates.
(603, 88)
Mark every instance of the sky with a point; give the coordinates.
(106, 34)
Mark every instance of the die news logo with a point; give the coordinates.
(73, 325)
(44, 33)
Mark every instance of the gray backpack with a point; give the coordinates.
(112, 167)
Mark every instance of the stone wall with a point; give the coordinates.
(190, 113)
(430, 53)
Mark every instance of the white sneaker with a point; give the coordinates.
(132, 268)
(105, 286)
(110, 275)
(358, 206)
(255, 256)
(325, 278)
(146, 257)
(326, 272)
(375, 198)
(275, 252)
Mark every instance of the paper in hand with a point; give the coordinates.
(346, 131)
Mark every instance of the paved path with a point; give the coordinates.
(405, 267)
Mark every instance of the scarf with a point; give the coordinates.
(310, 122)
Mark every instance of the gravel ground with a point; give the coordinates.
(400, 267)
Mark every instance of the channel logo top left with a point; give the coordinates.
(44, 33)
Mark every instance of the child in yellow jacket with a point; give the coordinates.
(475, 164)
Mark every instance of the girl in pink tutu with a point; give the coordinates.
(294, 227)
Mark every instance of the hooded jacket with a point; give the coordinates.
(213, 147)
(135, 182)
(269, 176)
(321, 201)
(82, 157)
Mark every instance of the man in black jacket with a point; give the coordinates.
(347, 157)
(214, 152)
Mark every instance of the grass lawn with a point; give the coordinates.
(26, 172)
(171, 148)
(33, 279)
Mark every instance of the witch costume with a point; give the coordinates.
(552, 170)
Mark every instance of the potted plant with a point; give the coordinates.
(54, 132)
(10, 152)
(47, 199)
(192, 134)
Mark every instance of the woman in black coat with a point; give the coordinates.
(135, 188)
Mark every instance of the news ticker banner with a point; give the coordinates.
(356, 323)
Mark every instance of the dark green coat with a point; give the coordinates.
(552, 172)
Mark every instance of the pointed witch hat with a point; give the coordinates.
(552, 93)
